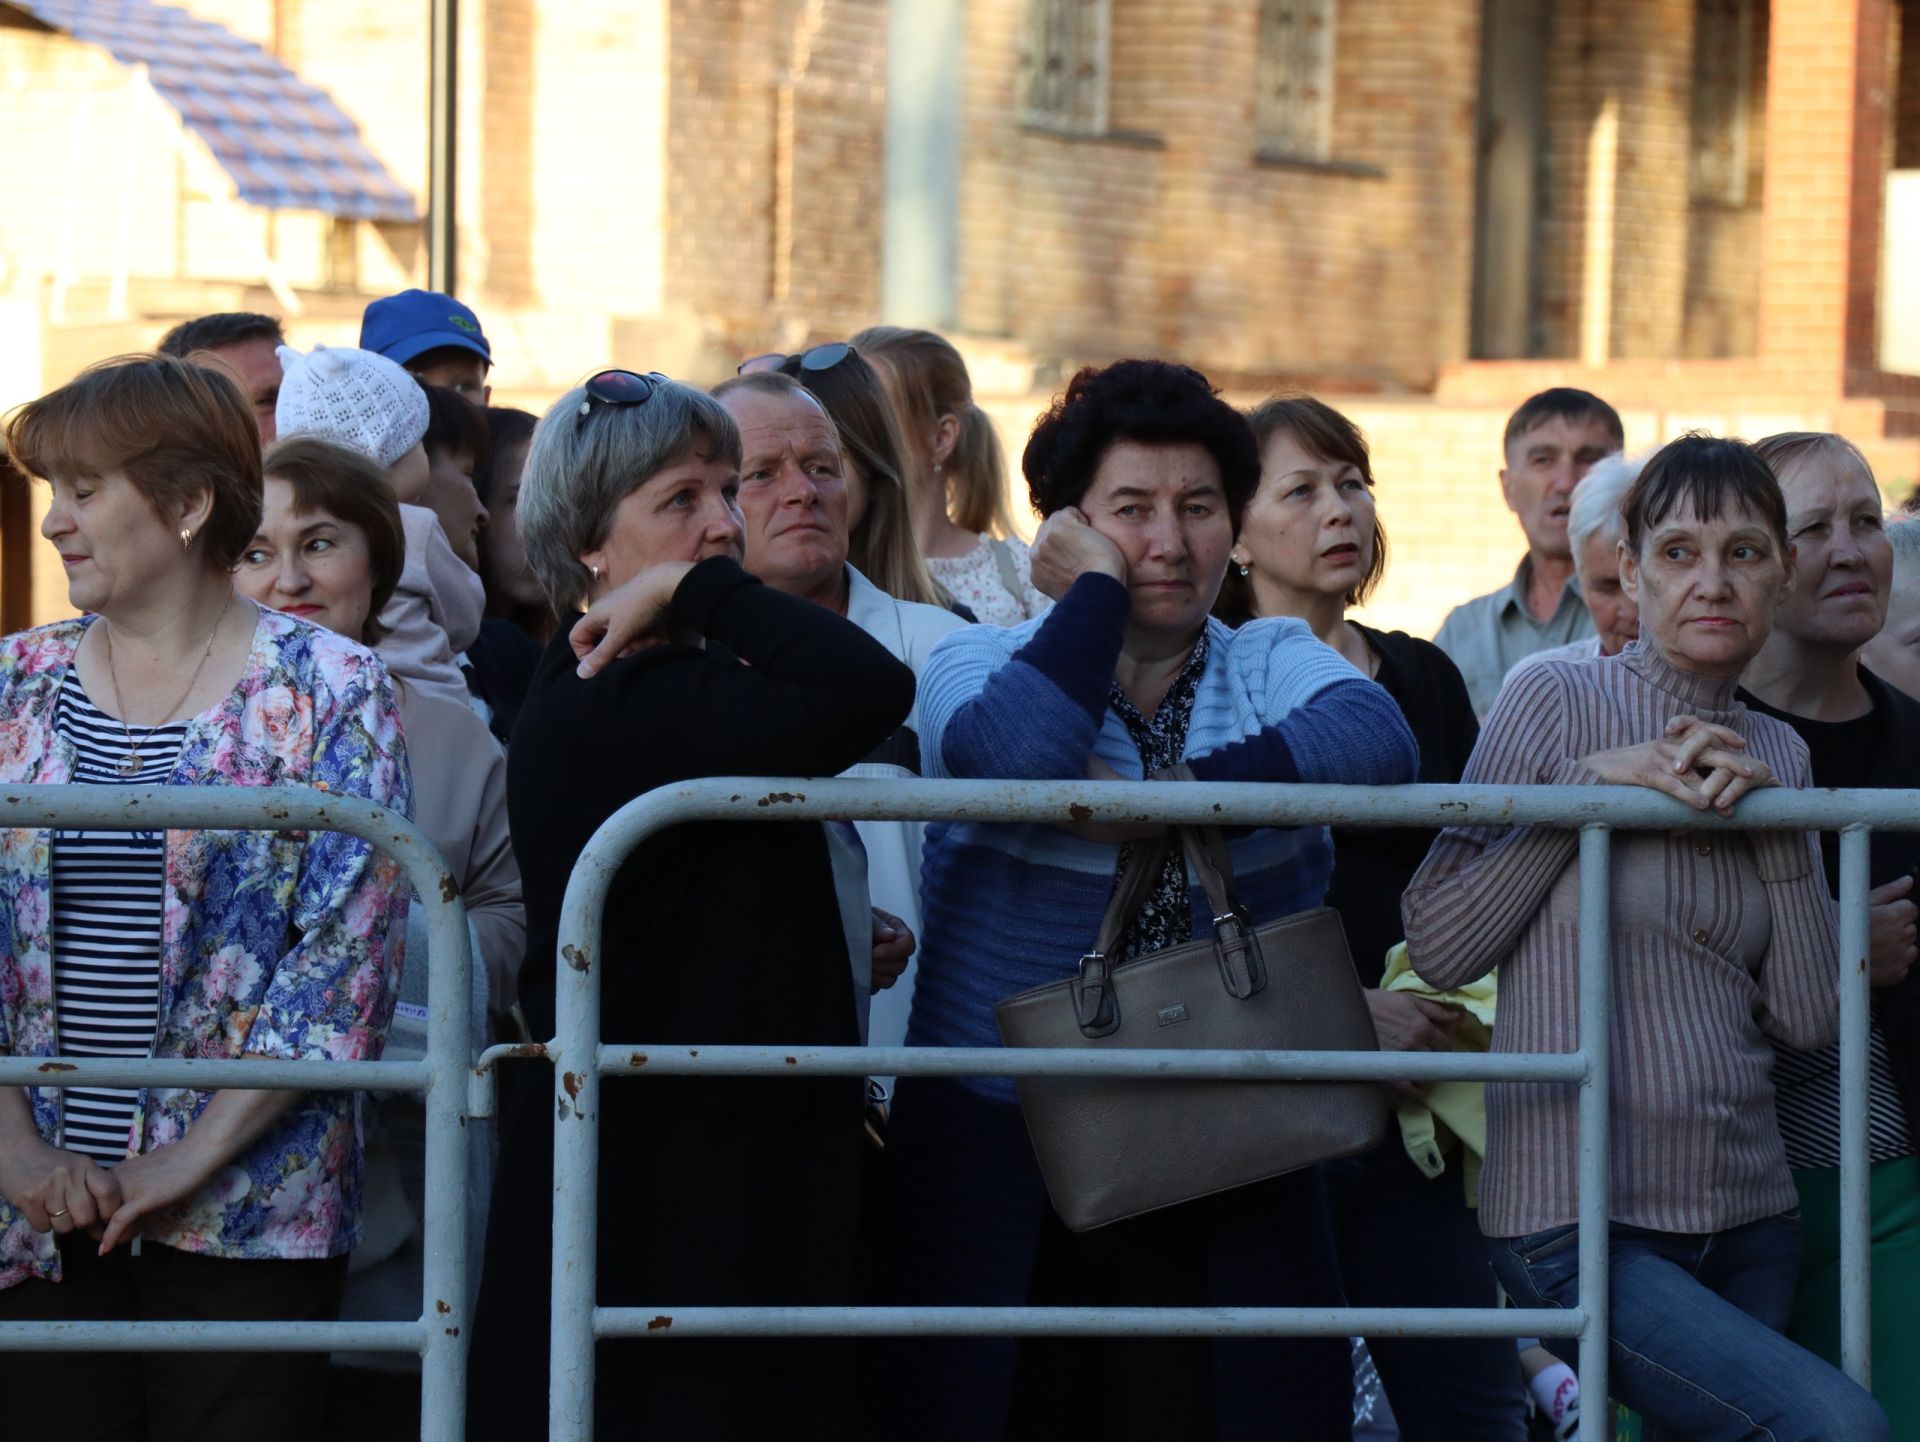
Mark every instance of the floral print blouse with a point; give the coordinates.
(278, 944)
(980, 581)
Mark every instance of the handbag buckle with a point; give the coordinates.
(1095, 1006)
(1242, 969)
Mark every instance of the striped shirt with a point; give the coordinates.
(1809, 1085)
(1721, 942)
(106, 922)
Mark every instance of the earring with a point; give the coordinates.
(594, 572)
(186, 538)
(1244, 571)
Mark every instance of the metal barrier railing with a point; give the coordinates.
(438, 1335)
(580, 1059)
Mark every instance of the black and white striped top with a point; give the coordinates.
(1807, 1086)
(106, 922)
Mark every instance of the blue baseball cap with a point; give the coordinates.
(413, 322)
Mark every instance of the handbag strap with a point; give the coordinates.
(1243, 971)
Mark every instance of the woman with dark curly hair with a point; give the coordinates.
(1141, 472)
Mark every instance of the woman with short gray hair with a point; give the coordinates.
(683, 666)
(1595, 528)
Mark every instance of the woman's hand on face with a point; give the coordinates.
(1405, 1022)
(1696, 761)
(1890, 932)
(1066, 548)
(893, 943)
(628, 618)
(40, 1180)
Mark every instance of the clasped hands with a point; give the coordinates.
(63, 1191)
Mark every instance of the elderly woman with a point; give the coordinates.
(214, 943)
(1595, 529)
(1723, 943)
(710, 1191)
(1141, 472)
(1859, 732)
(1894, 653)
(1310, 546)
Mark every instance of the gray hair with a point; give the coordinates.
(1904, 534)
(1597, 498)
(582, 465)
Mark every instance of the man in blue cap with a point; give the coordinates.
(435, 337)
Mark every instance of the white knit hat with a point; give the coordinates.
(352, 397)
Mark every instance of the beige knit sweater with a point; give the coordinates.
(1720, 940)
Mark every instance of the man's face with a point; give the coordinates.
(793, 490)
(1543, 466)
(1616, 619)
(254, 364)
(458, 370)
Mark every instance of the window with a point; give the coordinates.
(1722, 97)
(1066, 64)
(1293, 113)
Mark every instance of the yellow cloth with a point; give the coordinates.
(1454, 1110)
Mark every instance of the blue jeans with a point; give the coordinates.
(1697, 1348)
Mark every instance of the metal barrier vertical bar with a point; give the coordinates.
(1596, 1138)
(445, 1303)
(1856, 1204)
(575, 1052)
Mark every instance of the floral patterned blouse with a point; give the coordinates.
(278, 944)
(980, 581)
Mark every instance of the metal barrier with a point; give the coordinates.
(439, 1333)
(580, 1059)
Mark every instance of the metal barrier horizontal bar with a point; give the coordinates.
(1085, 1322)
(216, 1336)
(1235, 803)
(210, 1074)
(1167, 1065)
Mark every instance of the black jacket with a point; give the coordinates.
(1371, 867)
(720, 932)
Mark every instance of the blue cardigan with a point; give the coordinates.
(1008, 906)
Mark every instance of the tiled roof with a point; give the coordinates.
(284, 142)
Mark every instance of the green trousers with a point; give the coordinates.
(1895, 1253)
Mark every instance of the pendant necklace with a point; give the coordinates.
(130, 764)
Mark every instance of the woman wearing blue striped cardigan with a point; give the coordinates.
(1141, 472)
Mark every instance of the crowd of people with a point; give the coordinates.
(346, 569)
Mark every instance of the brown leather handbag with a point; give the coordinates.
(1115, 1147)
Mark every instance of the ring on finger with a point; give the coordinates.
(61, 1213)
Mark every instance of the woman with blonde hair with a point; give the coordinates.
(959, 475)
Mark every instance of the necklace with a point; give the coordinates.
(130, 764)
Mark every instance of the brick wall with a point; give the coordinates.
(1166, 235)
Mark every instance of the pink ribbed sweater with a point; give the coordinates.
(1720, 940)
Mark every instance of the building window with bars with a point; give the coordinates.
(1066, 65)
(1722, 99)
(1293, 113)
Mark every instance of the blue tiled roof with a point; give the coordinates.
(284, 142)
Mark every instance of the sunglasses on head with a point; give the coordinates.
(819, 358)
(619, 388)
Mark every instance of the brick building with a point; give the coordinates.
(1425, 209)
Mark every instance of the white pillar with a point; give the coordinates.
(920, 250)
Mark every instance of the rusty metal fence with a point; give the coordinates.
(458, 1087)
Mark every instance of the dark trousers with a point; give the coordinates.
(968, 1224)
(169, 1396)
(1406, 1241)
